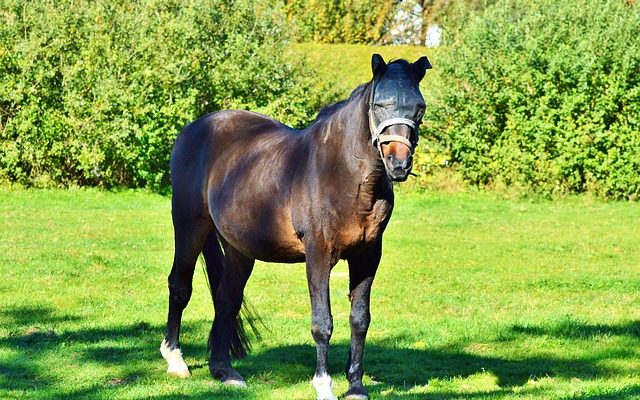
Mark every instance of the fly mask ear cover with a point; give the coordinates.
(393, 101)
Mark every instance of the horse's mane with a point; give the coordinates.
(331, 109)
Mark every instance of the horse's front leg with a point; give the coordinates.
(362, 270)
(319, 266)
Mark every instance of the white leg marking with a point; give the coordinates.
(176, 365)
(323, 386)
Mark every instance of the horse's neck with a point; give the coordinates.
(347, 133)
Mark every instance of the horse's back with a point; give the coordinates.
(220, 128)
(216, 136)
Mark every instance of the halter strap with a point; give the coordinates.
(395, 138)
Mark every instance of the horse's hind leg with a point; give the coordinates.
(227, 336)
(190, 234)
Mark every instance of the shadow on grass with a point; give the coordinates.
(574, 329)
(132, 350)
(401, 367)
(25, 369)
(33, 316)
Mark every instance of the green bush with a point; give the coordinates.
(544, 95)
(95, 92)
(339, 21)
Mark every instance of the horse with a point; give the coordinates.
(246, 187)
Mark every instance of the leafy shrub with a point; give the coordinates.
(95, 92)
(339, 21)
(545, 95)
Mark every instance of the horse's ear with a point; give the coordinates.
(378, 65)
(420, 67)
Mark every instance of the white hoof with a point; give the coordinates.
(235, 383)
(323, 386)
(176, 365)
(356, 397)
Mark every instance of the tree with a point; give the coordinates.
(412, 18)
(94, 92)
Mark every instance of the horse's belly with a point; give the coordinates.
(270, 249)
(277, 249)
(271, 241)
(253, 215)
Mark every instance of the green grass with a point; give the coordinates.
(477, 298)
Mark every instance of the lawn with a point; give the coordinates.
(477, 297)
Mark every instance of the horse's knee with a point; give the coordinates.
(321, 330)
(359, 320)
(179, 294)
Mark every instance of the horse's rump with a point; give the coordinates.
(242, 166)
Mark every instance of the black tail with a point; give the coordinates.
(214, 266)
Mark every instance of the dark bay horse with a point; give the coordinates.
(247, 187)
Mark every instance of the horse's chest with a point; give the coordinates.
(364, 228)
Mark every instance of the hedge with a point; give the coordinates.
(95, 92)
(544, 96)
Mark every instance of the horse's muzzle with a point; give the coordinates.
(397, 156)
(398, 170)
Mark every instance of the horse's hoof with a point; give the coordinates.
(175, 363)
(357, 392)
(227, 375)
(235, 383)
(323, 386)
(179, 373)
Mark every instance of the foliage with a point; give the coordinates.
(342, 67)
(412, 18)
(95, 92)
(475, 298)
(545, 95)
(339, 21)
(374, 22)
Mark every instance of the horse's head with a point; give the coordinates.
(396, 107)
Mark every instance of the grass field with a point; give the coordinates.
(477, 298)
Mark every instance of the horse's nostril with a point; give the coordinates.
(406, 163)
(395, 163)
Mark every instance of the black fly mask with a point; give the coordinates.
(396, 100)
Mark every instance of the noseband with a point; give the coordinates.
(377, 139)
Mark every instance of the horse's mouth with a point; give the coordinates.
(398, 174)
(398, 170)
